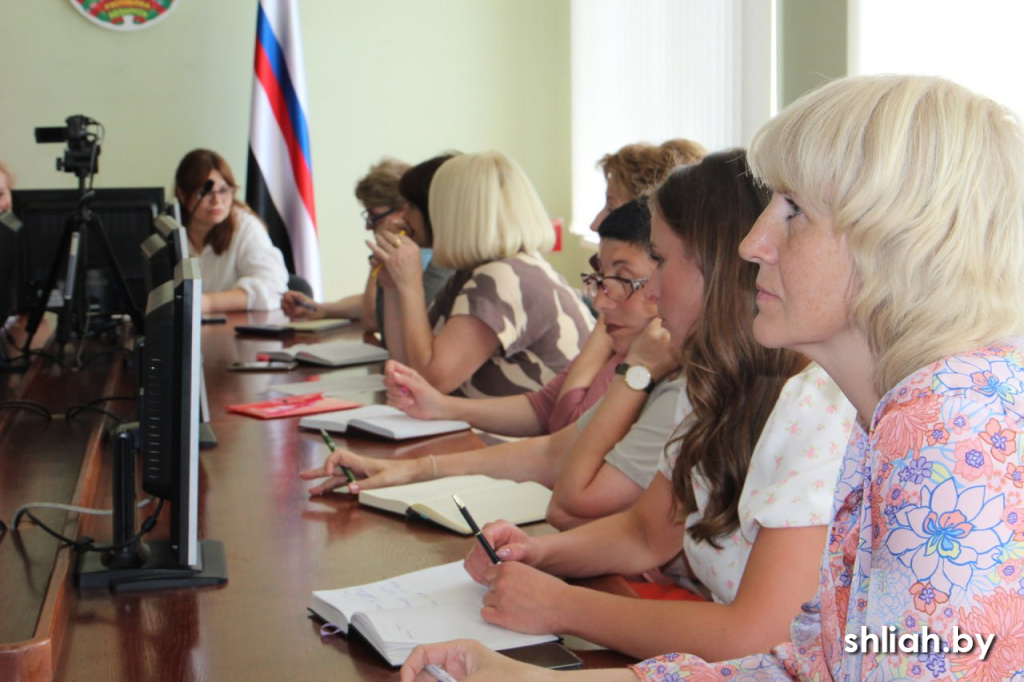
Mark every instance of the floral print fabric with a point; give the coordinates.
(927, 531)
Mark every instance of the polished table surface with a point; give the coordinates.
(280, 543)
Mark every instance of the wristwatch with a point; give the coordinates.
(638, 377)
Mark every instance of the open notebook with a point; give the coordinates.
(381, 420)
(488, 499)
(330, 353)
(433, 605)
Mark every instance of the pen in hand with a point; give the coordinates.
(476, 531)
(330, 446)
(440, 673)
(378, 266)
(301, 303)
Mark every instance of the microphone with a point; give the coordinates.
(207, 186)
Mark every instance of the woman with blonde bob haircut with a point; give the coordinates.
(890, 253)
(484, 208)
(507, 323)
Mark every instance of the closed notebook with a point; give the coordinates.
(285, 328)
(488, 499)
(432, 605)
(323, 325)
(293, 406)
(330, 353)
(383, 421)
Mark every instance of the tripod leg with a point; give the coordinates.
(134, 311)
(42, 301)
(71, 311)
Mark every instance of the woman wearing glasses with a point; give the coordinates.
(242, 269)
(564, 399)
(605, 461)
(395, 201)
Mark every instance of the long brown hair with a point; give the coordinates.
(192, 172)
(732, 381)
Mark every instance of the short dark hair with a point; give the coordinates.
(630, 223)
(414, 187)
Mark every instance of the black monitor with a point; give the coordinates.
(168, 440)
(126, 215)
(155, 254)
(10, 228)
(162, 251)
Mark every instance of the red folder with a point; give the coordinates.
(293, 406)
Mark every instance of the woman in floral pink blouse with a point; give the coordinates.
(891, 253)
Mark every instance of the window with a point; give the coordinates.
(651, 70)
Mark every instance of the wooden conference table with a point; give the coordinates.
(280, 543)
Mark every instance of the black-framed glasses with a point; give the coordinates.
(223, 193)
(616, 288)
(371, 219)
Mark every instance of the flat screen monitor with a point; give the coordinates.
(10, 228)
(168, 437)
(126, 216)
(162, 251)
(159, 267)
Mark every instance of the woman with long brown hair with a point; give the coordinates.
(242, 269)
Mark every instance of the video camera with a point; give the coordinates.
(83, 149)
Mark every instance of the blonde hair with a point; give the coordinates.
(641, 167)
(6, 170)
(379, 187)
(484, 208)
(926, 181)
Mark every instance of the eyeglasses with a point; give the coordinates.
(371, 219)
(224, 193)
(616, 288)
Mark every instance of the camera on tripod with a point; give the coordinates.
(83, 148)
(81, 278)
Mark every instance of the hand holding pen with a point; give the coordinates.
(294, 303)
(330, 446)
(492, 555)
(395, 240)
(400, 256)
(509, 542)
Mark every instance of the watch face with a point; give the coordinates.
(638, 377)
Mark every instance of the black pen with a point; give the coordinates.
(330, 445)
(476, 531)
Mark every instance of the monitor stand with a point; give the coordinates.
(143, 565)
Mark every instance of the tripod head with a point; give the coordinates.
(83, 146)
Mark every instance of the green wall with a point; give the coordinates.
(812, 45)
(406, 78)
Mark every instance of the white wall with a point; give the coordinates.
(408, 78)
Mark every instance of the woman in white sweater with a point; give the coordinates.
(242, 269)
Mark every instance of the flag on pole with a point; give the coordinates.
(279, 181)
